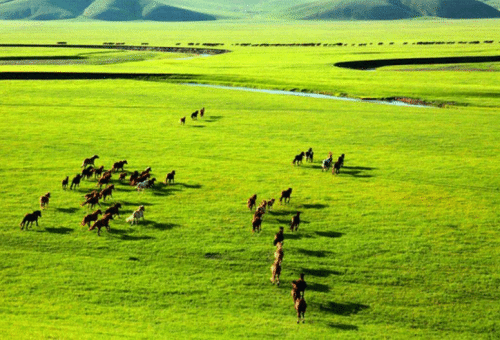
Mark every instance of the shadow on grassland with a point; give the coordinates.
(373, 64)
(190, 186)
(319, 272)
(315, 253)
(343, 327)
(213, 119)
(61, 230)
(330, 234)
(313, 206)
(159, 226)
(68, 210)
(344, 309)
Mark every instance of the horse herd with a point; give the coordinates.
(141, 180)
(298, 286)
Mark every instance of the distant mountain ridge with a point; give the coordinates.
(107, 10)
(201, 10)
(393, 9)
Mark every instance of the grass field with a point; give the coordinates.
(402, 244)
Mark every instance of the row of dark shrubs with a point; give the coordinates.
(310, 44)
(364, 44)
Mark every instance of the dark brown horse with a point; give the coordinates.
(30, 218)
(294, 225)
(91, 217)
(285, 194)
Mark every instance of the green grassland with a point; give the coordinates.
(403, 243)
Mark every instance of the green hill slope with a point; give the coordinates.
(392, 9)
(108, 10)
(198, 10)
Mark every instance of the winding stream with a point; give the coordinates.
(309, 95)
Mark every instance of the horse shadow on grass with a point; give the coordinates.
(197, 126)
(212, 119)
(128, 203)
(159, 226)
(343, 327)
(190, 186)
(357, 171)
(61, 230)
(315, 253)
(330, 234)
(296, 236)
(318, 287)
(320, 272)
(343, 309)
(282, 213)
(127, 237)
(313, 206)
(68, 210)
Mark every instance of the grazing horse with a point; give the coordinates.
(299, 287)
(103, 222)
(298, 158)
(341, 160)
(92, 201)
(285, 194)
(251, 201)
(278, 254)
(202, 112)
(103, 181)
(44, 200)
(107, 192)
(309, 155)
(114, 209)
(65, 182)
(98, 171)
(256, 224)
(182, 121)
(136, 215)
(30, 218)
(91, 217)
(119, 165)
(336, 168)
(87, 172)
(327, 163)
(279, 237)
(122, 177)
(75, 181)
(170, 177)
(275, 272)
(194, 115)
(294, 226)
(300, 306)
(270, 204)
(89, 161)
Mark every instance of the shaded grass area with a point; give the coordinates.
(373, 64)
(402, 242)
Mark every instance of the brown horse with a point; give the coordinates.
(279, 237)
(294, 226)
(30, 218)
(44, 200)
(285, 194)
(276, 272)
(91, 217)
(251, 201)
(300, 306)
(103, 222)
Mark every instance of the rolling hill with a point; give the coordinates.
(392, 10)
(197, 10)
(107, 10)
